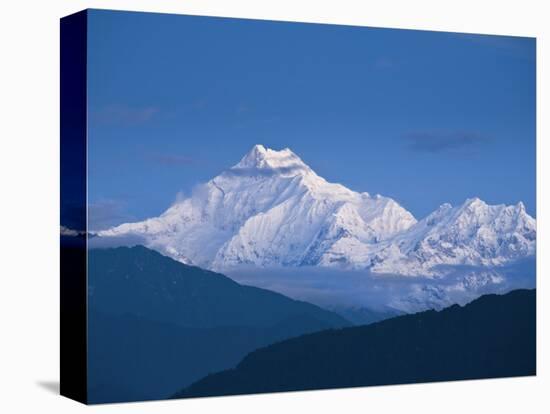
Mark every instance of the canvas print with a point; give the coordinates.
(255, 206)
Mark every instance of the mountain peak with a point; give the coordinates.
(474, 201)
(521, 207)
(442, 211)
(260, 157)
(474, 206)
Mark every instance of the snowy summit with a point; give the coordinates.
(261, 157)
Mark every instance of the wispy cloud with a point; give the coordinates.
(106, 213)
(116, 241)
(384, 62)
(68, 232)
(173, 159)
(199, 104)
(339, 288)
(119, 114)
(444, 141)
(243, 109)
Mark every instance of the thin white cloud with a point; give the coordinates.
(120, 114)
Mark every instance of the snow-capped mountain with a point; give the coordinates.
(471, 234)
(271, 209)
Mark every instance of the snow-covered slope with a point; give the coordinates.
(471, 234)
(271, 209)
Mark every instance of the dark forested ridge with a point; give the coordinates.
(154, 323)
(142, 282)
(493, 336)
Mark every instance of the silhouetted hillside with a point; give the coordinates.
(494, 336)
(154, 323)
(142, 282)
(358, 315)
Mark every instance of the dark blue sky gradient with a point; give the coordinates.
(423, 117)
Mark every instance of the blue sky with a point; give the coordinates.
(422, 117)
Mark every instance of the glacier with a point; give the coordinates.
(272, 210)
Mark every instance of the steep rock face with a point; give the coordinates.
(271, 209)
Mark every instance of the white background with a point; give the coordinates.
(29, 193)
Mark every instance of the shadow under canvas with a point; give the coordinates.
(50, 386)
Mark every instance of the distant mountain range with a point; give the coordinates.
(494, 336)
(271, 209)
(155, 323)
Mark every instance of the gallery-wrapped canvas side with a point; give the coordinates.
(73, 340)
